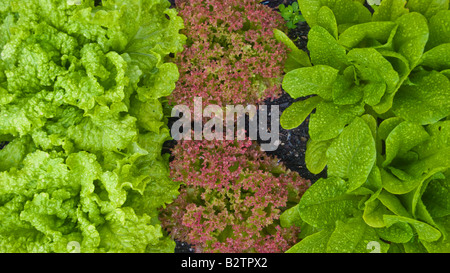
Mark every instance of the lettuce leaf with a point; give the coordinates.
(352, 155)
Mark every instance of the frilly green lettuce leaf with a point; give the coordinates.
(103, 130)
(79, 192)
(12, 155)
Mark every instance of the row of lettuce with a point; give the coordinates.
(86, 91)
(381, 93)
(82, 106)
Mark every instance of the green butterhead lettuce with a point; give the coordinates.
(82, 92)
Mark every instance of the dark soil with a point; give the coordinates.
(182, 247)
(369, 7)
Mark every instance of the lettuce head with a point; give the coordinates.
(83, 121)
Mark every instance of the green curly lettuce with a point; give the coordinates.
(82, 94)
